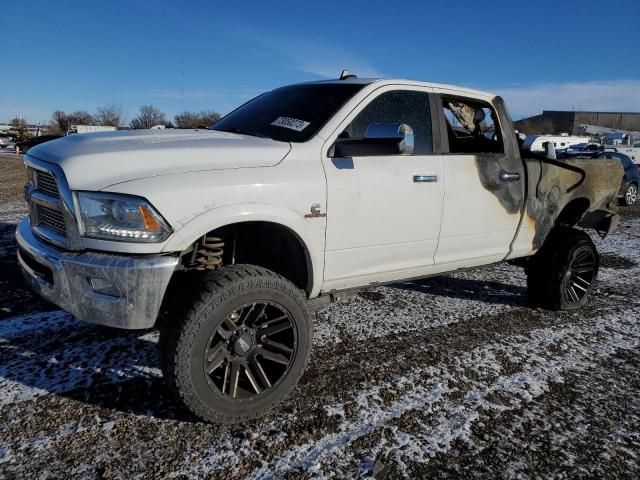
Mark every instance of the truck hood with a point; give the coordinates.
(93, 161)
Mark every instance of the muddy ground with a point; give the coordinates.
(449, 377)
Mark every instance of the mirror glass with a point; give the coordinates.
(401, 131)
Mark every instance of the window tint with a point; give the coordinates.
(398, 106)
(471, 127)
(289, 114)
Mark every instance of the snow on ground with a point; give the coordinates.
(443, 378)
(58, 367)
(12, 212)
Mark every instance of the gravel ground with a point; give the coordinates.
(443, 378)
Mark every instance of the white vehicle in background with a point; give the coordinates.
(5, 141)
(90, 129)
(624, 143)
(535, 143)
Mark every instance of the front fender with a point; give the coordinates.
(310, 231)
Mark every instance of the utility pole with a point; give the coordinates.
(182, 91)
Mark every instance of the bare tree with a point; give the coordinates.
(110, 115)
(186, 120)
(59, 123)
(62, 122)
(148, 116)
(203, 119)
(81, 117)
(19, 129)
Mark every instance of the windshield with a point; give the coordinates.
(289, 114)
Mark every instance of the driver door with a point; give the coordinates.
(383, 211)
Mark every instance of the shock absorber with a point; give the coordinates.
(209, 253)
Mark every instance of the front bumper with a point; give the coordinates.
(123, 291)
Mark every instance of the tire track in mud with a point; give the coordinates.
(588, 425)
(316, 425)
(306, 414)
(358, 386)
(449, 398)
(373, 363)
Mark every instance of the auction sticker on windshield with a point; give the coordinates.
(291, 123)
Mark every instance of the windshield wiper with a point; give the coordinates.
(246, 132)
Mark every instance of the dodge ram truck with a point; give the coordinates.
(229, 238)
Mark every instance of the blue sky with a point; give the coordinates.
(540, 54)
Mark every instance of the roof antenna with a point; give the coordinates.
(345, 75)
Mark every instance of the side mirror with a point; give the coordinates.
(380, 139)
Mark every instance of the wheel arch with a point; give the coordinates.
(262, 219)
(573, 212)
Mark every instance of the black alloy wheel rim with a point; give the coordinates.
(580, 275)
(251, 351)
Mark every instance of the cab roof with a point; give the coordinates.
(401, 81)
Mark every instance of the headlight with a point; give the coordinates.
(126, 218)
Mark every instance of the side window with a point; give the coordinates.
(472, 126)
(398, 106)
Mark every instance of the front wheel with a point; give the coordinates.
(562, 274)
(242, 346)
(630, 195)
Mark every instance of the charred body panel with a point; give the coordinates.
(575, 192)
(552, 200)
(491, 166)
(511, 195)
(550, 188)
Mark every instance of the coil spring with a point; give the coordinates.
(209, 254)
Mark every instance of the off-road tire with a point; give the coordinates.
(548, 271)
(184, 340)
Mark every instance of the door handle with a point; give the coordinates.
(509, 176)
(425, 178)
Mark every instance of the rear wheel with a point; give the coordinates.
(241, 347)
(630, 195)
(562, 274)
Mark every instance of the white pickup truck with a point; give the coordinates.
(304, 192)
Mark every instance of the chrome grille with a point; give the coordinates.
(50, 204)
(46, 183)
(51, 219)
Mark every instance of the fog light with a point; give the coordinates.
(103, 286)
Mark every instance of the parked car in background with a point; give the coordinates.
(630, 182)
(581, 150)
(25, 145)
(5, 141)
(625, 144)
